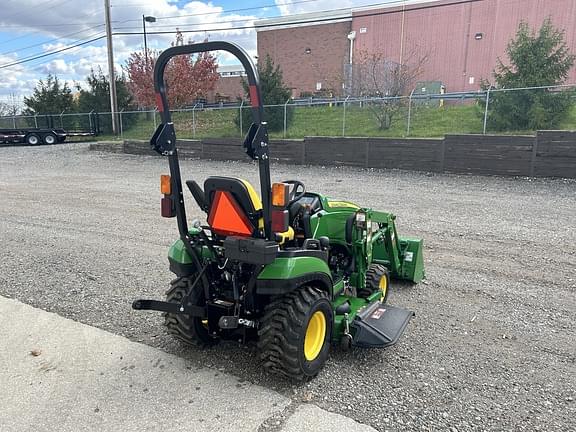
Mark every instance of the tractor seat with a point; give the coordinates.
(233, 206)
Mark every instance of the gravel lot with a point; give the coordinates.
(493, 345)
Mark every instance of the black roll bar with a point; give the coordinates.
(256, 143)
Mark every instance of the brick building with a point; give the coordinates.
(228, 88)
(462, 40)
(311, 55)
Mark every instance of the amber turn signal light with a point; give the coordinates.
(165, 184)
(280, 193)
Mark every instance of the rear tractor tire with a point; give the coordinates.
(190, 330)
(377, 280)
(295, 333)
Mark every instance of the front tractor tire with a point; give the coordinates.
(190, 330)
(377, 280)
(295, 333)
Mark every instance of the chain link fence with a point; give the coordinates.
(416, 115)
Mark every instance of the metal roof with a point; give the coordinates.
(316, 18)
(306, 19)
(394, 4)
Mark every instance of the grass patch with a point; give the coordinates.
(426, 122)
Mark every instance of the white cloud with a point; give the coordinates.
(16, 79)
(56, 67)
(64, 22)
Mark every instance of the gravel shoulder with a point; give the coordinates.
(493, 343)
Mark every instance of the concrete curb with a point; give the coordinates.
(309, 417)
(61, 375)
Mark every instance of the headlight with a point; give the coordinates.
(361, 220)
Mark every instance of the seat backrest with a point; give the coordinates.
(234, 207)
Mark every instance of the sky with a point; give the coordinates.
(29, 28)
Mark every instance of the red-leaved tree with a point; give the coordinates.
(188, 78)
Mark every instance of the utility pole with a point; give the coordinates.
(145, 42)
(112, 77)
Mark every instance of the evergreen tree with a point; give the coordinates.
(536, 59)
(274, 92)
(50, 97)
(97, 96)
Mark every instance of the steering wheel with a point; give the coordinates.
(294, 195)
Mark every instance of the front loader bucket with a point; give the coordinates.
(413, 263)
(379, 325)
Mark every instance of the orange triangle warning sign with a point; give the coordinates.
(227, 218)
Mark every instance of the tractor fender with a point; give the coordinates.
(181, 263)
(284, 275)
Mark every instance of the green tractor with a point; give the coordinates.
(293, 270)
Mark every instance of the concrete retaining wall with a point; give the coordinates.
(548, 154)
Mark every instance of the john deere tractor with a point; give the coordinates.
(291, 269)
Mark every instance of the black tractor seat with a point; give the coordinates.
(240, 189)
(232, 205)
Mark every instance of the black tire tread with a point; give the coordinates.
(181, 326)
(373, 275)
(279, 338)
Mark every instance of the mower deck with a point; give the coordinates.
(379, 325)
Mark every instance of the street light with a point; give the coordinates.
(146, 19)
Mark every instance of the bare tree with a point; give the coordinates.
(377, 77)
(10, 108)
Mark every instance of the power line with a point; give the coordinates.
(20, 37)
(9, 17)
(248, 19)
(163, 18)
(254, 26)
(221, 12)
(140, 33)
(138, 20)
(51, 40)
(29, 59)
(55, 25)
(306, 21)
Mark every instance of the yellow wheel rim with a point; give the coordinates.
(315, 334)
(383, 285)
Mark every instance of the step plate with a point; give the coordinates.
(379, 325)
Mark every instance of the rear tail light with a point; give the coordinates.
(279, 221)
(166, 204)
(167, 207)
